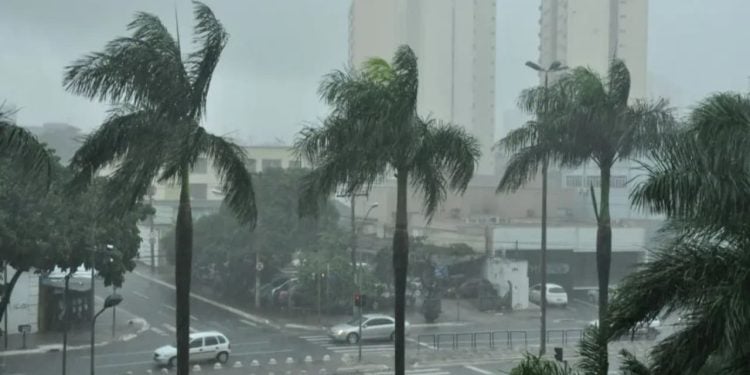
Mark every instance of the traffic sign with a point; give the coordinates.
(259, 266)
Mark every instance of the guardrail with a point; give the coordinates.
(490, 339)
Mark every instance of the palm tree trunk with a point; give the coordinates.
(400, 265)
(183, 264)
(7, 292)
(603, 260)
(543, 262)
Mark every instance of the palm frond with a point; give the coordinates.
(212, 38)
(534, 365)
(520, 138)
(618, 83)
(456, 152)
(144, 69)
(23, 148)
(645, 125)
(229, 161)
(630, 365)
(593, 351)
(721, 122)
(522, 168)
(405, 84)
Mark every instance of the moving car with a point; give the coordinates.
(374, 327)
(556, 295)
(204, 346)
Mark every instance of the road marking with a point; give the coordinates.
(169, 327)
(193, 330)
(170, 307)
(139, 294)
(125, 364)
(424, 344)
(119, 354)
(421, 371)
(477, 369)
(234, 354)
(230, 309)
(159, 331)
(248, 322)
(193, 317)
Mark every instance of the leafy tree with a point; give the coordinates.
(154, 132)
(374, 130)
(600, 124)
(700, 179)
(41, 230)
(22, 148)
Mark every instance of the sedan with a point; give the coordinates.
(555, 295)
(204, 346)
(374, 327)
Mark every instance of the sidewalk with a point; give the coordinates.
(127, 327)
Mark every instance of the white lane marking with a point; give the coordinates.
(312, 337)
(120, 354)
(158, 331)
(424, 344)
(261, 352)
(248, 322)
(193, 330)
(230, 309)
(125, 364)
(169, 327)
(477, 369)
(170, 307)
(139, 294)
(193, 317)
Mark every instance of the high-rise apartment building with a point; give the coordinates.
(590, 32)
(454, 41)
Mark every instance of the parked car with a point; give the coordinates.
(556, 295)
(204, 346)
(649, 330)
(374, 327)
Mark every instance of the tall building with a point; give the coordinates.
(590, 32)
(454, 41)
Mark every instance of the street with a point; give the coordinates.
(258, 348)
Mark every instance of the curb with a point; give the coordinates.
(304, 327)
(361, 369)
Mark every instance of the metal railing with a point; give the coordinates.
(491, 339)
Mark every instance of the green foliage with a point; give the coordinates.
(535, 365)
(23, 149)
(593, 351)
(225, 250)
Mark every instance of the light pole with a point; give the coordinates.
(556, 66)
(357, 280)
(152, 234)
(111, 301)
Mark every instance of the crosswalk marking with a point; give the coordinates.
(169, 327)
(158, 331)
(248, 322)
(477, 369)
(338, 348)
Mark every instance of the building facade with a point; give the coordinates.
(591, 32)
(455, 43)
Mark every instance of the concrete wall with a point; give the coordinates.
(24, 302)
(578, 239)
(501, 271)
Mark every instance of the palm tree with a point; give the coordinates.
(700, 179)
(154, 131)
(603, 126)
(531, 146)
(374, 130)
(23, 148)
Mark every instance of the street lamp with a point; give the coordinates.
(357, 279)
(111, 301)
(555, 66)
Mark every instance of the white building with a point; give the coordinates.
(590, 32)
(24, 303)
(455, 43)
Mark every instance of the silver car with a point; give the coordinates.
(374, 327)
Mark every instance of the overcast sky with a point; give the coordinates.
(265, 86)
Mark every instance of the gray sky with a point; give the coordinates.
(265, 86)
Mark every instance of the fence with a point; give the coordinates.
(491, 339)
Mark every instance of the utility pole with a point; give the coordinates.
(152, 234)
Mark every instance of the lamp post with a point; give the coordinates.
(111, 301)
(556, 66)
(357, 280)
(152, 234)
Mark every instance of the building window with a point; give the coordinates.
(295, 164)
(573, 181)
(270, 163)
(199, 191)
(251, 165)
(592, 180)
(619, 181)
(200, 166)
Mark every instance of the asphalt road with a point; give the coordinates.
(154, 302)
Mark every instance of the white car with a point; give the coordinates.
(204, 346)
(556, 295)
(374, 327)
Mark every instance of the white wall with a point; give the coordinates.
(24, 302)
(499, 271)
(578, 239)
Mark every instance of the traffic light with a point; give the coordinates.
(357, 300)
(558, 354)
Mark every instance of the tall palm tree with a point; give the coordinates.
(154, 131)
(374, 130)
(700, 179)
(23, 148)
(603, 126)
(533, 146)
